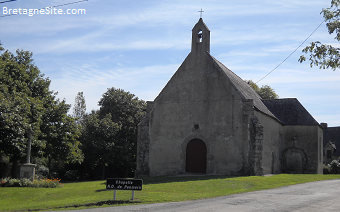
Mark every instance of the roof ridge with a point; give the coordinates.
(278, 99)
(228, 69)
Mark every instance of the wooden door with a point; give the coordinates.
(196, 157)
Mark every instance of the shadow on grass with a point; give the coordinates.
(181, 178)
(107, 202)
(101, 203)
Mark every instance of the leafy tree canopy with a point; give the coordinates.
(324, 55)
(26, 101)
(265, 92)
(109, 135)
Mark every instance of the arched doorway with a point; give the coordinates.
(196, 156)
(294, 161)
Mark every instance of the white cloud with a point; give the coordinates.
(144, 82)
(93, 52)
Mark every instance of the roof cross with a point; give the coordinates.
(201, 13)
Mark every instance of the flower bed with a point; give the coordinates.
(41, 183)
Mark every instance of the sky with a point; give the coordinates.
(138, 45)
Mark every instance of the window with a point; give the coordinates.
(329, 154)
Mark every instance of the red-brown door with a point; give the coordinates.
(196, 156)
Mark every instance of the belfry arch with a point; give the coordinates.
(200, 36)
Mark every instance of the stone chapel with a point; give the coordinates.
(207, 120)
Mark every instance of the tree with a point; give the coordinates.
(21, 92)
(323, 55)
(99, 143)
(60, 133)
(26, 101)
(126, 110)
(123, 106)
(109, 136)
(265, 92)
(79, 108)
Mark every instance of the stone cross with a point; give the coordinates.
(201, 13)
(28, 159)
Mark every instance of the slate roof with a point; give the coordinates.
(332, 134)
(290, 111)
(244, 89)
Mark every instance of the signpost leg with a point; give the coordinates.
(133, 195)
(114, 194)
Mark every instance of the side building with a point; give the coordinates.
(331, 144)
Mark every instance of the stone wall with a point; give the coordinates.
(272, 143)
(143, 143)
(255, 147)
(303, 147)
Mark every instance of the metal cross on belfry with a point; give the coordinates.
(201, 13)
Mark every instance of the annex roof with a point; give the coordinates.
(290, 111)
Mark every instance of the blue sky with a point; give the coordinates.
(138, 45)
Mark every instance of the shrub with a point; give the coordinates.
(42, 171)
(42, 183)
(71, 175)
(326, 169)
(335, 167)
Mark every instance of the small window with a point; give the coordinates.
(329, 154)
(200, 36)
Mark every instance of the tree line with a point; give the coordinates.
(79, 146)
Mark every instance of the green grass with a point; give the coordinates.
(155, 190)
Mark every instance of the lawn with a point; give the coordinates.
(155, 190)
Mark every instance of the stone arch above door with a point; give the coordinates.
(210, 158)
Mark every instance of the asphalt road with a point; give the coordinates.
(314, 196)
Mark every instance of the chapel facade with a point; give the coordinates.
(207, 120)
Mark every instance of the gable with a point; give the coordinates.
(198, 80)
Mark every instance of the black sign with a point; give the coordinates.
(124, 184)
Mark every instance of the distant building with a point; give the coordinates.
(207, 120)
(331, 143)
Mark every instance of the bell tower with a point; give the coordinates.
(200, 38)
